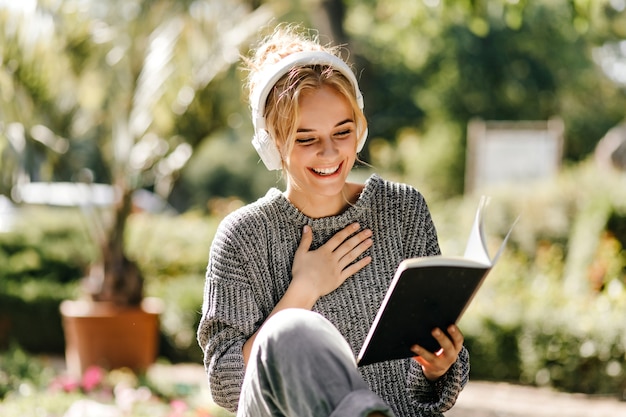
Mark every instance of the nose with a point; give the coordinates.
(327, 147)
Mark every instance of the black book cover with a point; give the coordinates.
(426, 293)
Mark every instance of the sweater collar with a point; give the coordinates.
(351, 214)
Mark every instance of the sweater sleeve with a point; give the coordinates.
(418, 228)
(223, 329)
(433, 398)
(422, 240)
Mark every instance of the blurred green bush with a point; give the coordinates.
(42, 262)
(18, 368)
(551, 312)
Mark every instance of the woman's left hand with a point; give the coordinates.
(434, 365)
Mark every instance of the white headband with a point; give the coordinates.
(263, 143)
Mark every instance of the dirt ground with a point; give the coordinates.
(487, 399)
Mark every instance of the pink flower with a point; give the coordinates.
(64, 383)
(92, 377)
(178, 407)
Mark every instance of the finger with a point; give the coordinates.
(355, 246)
(346, 257)
(457, 337)
(421, 360)
(306, 240)
(431, 370)
(355, 267)
(425, 355)
(443, 340)
(339, 237)
(451, 342)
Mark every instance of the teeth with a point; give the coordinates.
(326, 171)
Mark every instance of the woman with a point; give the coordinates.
(295, 279)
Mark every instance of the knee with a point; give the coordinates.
(294, 320)
(295, 333)
(290, 325)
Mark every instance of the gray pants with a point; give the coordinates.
(301, 366)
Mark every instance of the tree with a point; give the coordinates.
(435, 65)
(111, 80)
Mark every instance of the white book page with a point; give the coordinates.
(476, 248)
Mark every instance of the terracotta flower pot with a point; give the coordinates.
(109, 336)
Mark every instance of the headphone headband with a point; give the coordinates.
(263, 143)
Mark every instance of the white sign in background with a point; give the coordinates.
(512, 152)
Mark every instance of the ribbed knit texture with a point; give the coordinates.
(249, 270)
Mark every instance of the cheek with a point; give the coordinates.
(288, 152)
(349, 146)
(297, 156)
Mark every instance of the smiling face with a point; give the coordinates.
(323, 153)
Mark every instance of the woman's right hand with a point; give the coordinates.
(321, 271)
(318, 272)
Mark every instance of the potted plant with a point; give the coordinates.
(114, 326)
(119, 79)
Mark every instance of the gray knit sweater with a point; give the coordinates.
(249, 270)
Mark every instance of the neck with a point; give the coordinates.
(318, 206)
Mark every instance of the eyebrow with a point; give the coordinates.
(343, 122)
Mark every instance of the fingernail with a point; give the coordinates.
(355, 226)
(306, 228)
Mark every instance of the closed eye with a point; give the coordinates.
(305, 141)
(343, 133)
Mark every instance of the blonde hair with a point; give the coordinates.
(282, 104)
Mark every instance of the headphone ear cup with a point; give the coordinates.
(267, 150)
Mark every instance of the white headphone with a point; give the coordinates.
(263, 143)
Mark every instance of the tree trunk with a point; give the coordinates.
(117, 279)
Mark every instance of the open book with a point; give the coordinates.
(426, 293)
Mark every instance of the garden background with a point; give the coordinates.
(151, 91)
